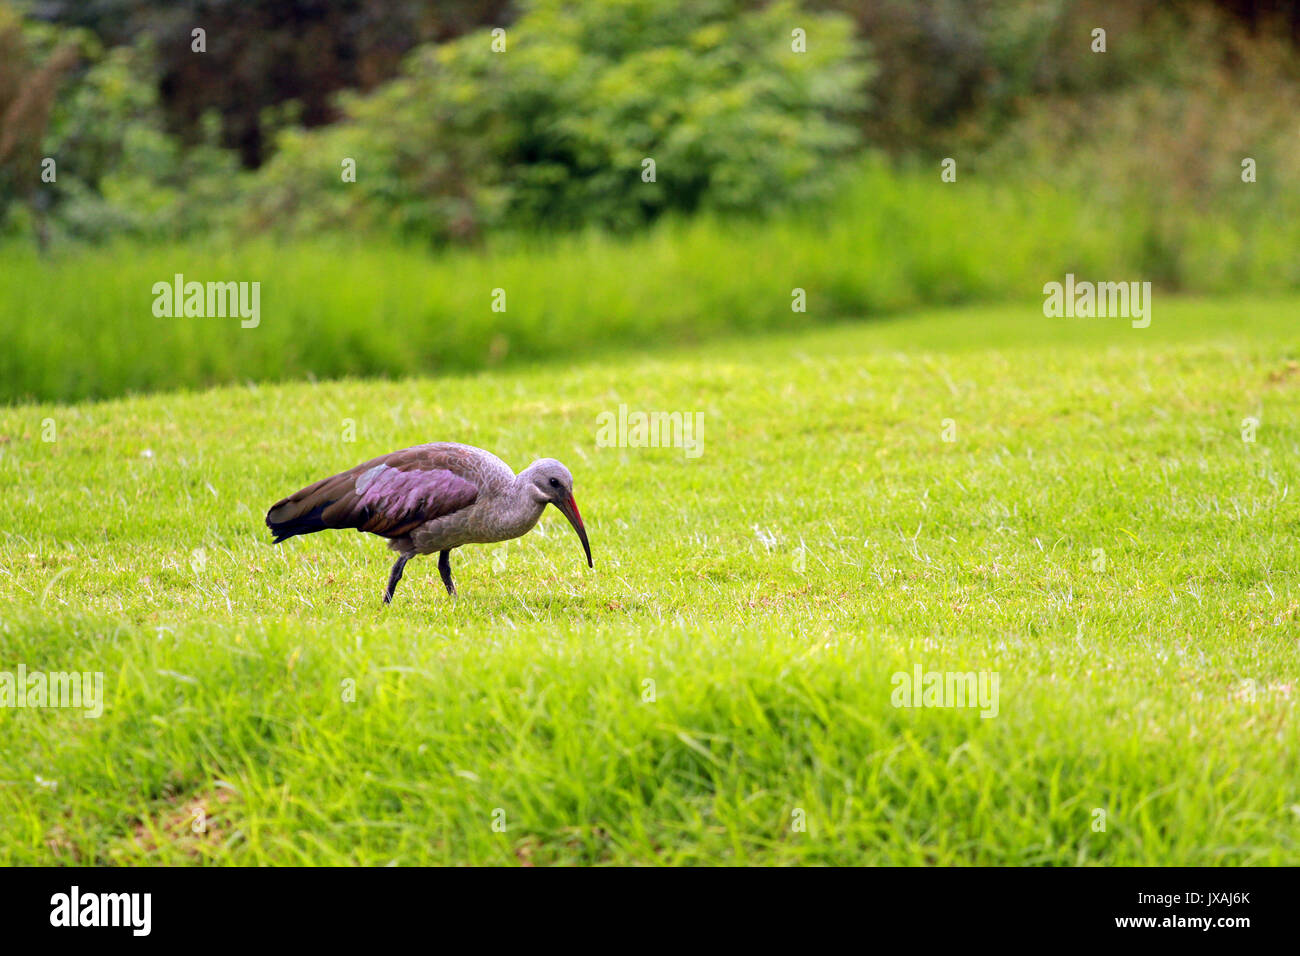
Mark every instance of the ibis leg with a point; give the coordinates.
(444, 568)
(394, 577)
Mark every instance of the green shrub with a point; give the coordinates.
(117, 171)
(554, 132)
(120, 172)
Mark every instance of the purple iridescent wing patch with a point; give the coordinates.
(394, 501)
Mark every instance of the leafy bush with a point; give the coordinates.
(117, 170)
(553, 132)
(34, 61)
(120, 171)
(956, 73)
(1164, 156)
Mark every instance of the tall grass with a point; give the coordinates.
(81, 325)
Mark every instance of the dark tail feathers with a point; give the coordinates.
(288, 525)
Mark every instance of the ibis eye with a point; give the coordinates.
(554, 483)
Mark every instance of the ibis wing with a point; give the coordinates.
(390, 501)
(388, 496)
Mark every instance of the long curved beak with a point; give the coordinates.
(569, 508)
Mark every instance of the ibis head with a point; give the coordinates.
(550, 482)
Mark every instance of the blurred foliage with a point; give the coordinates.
(120, 173)
(78, 324)
(1170, 145)
(261, 54)
(453, 141)
(33, 62)
(555, 132)
(959, 71)
(117, 171)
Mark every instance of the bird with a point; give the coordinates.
(432, 497)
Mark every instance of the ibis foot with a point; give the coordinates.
(394, 577)
(444, 568)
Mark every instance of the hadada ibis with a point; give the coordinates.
(429, 498)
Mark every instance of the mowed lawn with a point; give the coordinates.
(718, 689)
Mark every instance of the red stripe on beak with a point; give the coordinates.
(577, 515)
(569, 508)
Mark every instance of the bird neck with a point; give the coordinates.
(523, 509)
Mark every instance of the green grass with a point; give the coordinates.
(81, 324)
(133, 544)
